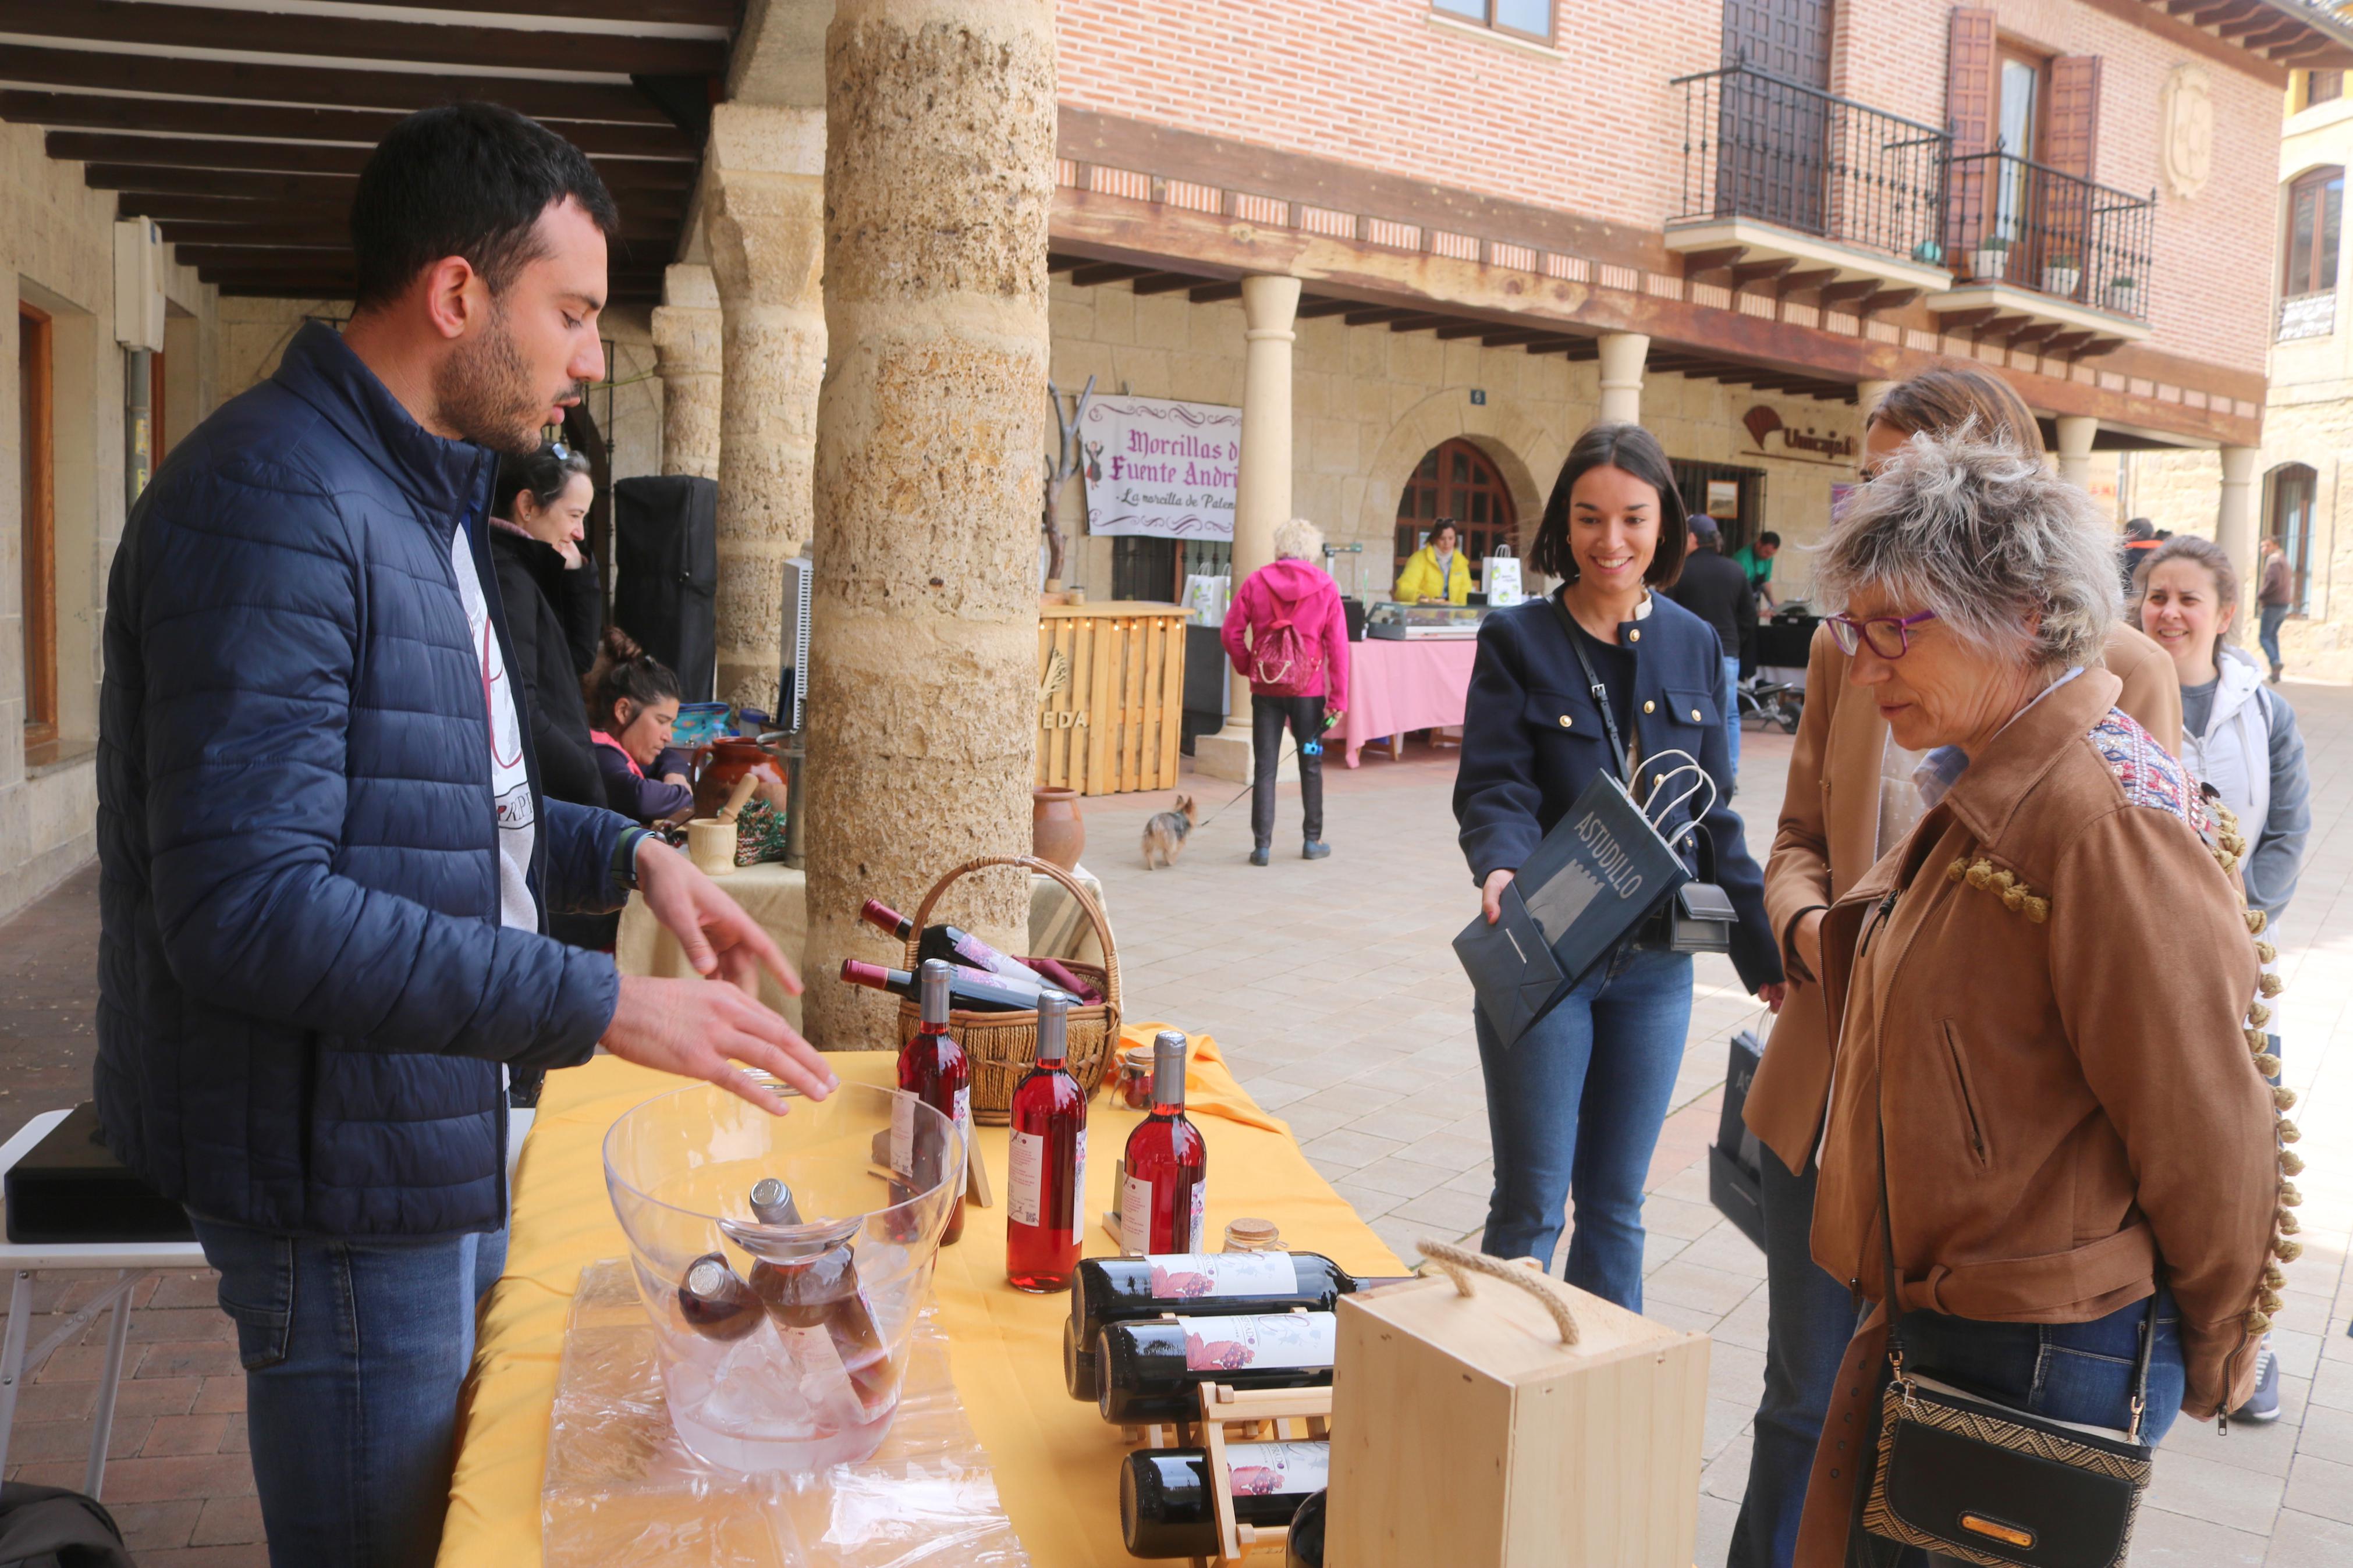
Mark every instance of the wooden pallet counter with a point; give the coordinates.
(1111, 695)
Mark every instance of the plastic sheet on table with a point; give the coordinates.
(622, 1491)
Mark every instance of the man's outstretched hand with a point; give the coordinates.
(699, 1030)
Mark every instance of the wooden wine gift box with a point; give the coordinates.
(1464, 1432)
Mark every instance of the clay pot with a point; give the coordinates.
(1056, 831)
(730, 761)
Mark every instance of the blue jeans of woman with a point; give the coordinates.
(354, 1352)
(2067, 1372)
(1574, 1107)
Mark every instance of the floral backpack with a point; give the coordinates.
(1284, 662)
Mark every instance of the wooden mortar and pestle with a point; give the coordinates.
(711, 840)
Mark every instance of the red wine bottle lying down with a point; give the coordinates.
(950, 945)
(1151, 1369)
(967, 988)
(1164, 1506)
(1106, 1291)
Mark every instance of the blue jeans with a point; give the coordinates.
(2067, 1372)
(1808, 1318)
(1575, 1106)
(353, 1352)
(1732, 711)
(2268, 632)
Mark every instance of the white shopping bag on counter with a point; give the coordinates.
(1206, 595)
(1502, 580)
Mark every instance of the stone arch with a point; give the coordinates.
(1526, 454)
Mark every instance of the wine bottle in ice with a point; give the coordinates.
(1046, 1202)
(1167, 1164)
(932, 1068)
(821, 1290)
(715, 1301)
(945, 942)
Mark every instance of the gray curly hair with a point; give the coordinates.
(1987, 538)
(1297, 540)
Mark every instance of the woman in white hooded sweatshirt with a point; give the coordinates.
(2240, 736)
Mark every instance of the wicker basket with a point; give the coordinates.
(1001, 1046)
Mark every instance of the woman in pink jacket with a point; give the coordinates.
(1285, 631)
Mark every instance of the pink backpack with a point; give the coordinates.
(1284, 661)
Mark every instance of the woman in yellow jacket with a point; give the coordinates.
(1436, 573)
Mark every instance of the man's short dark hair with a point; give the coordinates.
(1638, 452)
(1770, 537)
(464, 179)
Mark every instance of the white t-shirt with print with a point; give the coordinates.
(510, 781)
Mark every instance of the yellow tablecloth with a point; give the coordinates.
(1057, 1462)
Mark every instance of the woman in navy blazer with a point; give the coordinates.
(1575, 1105)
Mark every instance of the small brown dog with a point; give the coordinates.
(1165, 835)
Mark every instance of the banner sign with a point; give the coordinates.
(1161, 469)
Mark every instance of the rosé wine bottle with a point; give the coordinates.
(931, 1067)
(1046, 1205)
(1167, 1164)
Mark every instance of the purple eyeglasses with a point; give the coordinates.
(1890, 637)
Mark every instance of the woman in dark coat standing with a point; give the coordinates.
(1575, 1105)
(555, 609)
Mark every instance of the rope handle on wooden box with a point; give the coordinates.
(1077, 890)
(1460, 1263)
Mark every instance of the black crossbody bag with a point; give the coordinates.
(1975, 1479)
(1698, 916)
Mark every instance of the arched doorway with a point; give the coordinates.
(1454, 479)
(2287, 517)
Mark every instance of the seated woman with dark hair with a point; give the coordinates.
(632, 703)
(554, 609)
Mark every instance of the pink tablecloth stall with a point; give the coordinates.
(1394, 687)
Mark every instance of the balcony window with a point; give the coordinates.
(1522, 18)
(2323, 86)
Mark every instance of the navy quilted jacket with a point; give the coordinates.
(304, 991)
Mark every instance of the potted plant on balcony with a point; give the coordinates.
(2060, 274)
(1990, 258)
(2123, 295)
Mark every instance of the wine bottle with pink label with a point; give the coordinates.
(1149, 1370)
(1165, 1508)
(1161, 1203)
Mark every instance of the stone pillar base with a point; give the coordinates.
(1226, 754)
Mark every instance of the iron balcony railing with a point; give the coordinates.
(1758, 146)
(2012, 220)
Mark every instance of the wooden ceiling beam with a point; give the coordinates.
(686, 13)
(2068, 345)
(197, 213)
(2029, 334)
(621, 175)
(1214, 293)
(1886, 299)
(1749, 272)
(2229, 10)
(1455, 331)
(320, 191)
(325, 85)
(1962, 321)
(1418, 321)
(1835, 294)
(2099, 346)
(1559, 344)
(1315, 310)
(2256, 33)
(340, 39)
(1163, 283)
(96, 112)
(1373, 315)
(1511, 338)
(1808, 282)
(1096, 273)
(1696, 262)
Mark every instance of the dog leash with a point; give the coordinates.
(1213, 817)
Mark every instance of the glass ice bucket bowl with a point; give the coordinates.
(782, 1335)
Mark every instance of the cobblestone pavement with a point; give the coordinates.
(1333, 989)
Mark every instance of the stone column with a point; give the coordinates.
(1261, 492)
(2234, 524)
(1622, 355)
(763, 221)
(939, 176)
(2074, 454)
(686, 348)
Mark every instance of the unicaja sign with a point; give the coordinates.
(1771, 438)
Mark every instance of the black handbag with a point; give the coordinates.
(1972, 1478)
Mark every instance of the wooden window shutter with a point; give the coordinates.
(1970, 74)
(2071, 135)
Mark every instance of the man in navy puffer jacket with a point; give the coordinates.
(327, 862)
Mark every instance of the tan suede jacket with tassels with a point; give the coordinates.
(2054, 980)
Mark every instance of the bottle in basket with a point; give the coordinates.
(932, 1068)
(944, 941)
(967, 988)
(1046, 1207)
(1167, 1164)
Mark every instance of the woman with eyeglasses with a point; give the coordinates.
(1604, 675)
(2050, 1155)
(1851, 796)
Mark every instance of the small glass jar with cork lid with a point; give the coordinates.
(1253, 1236)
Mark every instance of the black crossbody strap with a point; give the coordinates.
(1600, 692)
